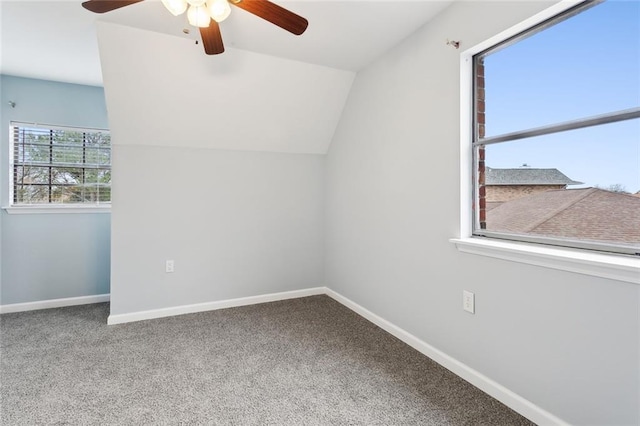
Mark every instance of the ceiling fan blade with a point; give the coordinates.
(212, 39)
(275, 14)
(102, 6)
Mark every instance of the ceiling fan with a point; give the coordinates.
(206, 14)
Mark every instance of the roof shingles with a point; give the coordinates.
(527, 176)
(586, 214)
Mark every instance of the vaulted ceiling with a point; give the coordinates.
(270, 91)
(56, 40)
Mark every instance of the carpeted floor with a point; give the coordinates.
(306, 361)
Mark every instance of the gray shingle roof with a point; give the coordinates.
(588, 213)
(527, 176)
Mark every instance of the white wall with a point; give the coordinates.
(216, 167)
(50, 256)
(566, 342)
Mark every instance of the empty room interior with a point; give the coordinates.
(320, 212)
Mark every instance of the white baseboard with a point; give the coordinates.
(496, 390)
(212, 306)
(53, 303)
(509, 398)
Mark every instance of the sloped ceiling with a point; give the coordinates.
(55, 40)
(162, 91)
(345, 34)
(269, 91)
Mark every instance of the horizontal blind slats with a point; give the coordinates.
(55, 165)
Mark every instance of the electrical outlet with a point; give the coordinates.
(468, 301)
(169, 266)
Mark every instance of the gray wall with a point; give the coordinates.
(567, 342)
(236, 224)
(214, 169)
(51, 256)
(246, 223)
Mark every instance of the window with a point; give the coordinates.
(556, 132)
(59, 166)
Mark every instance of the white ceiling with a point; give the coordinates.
(56, 40)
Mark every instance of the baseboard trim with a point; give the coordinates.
(212, 306)
(496, 390)
(509, 398)
(53, 303)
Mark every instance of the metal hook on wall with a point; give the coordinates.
(12, 104)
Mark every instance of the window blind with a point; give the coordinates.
(59, 165)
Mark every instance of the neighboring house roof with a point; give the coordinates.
(527, 176)
(589, 214)
(490, 205)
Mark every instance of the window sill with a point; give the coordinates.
(620, 268)
(57, 209)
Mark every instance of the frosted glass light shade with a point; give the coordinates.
(219, 9)
(198, 16)
(176, 7)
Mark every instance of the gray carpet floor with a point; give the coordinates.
(307, 361)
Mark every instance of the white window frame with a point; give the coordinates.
(53, 208)
(611, 266)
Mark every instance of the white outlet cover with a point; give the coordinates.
(468, 301)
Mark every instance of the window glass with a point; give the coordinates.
(60, 166)
(575, 180)
(586, 65)
(606, 156)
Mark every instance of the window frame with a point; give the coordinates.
(51, 207)
(614, 266)
(479, 141)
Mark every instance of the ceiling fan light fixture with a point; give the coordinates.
(205, 14)
(219, 9)
(198, 16)
(176, 7)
